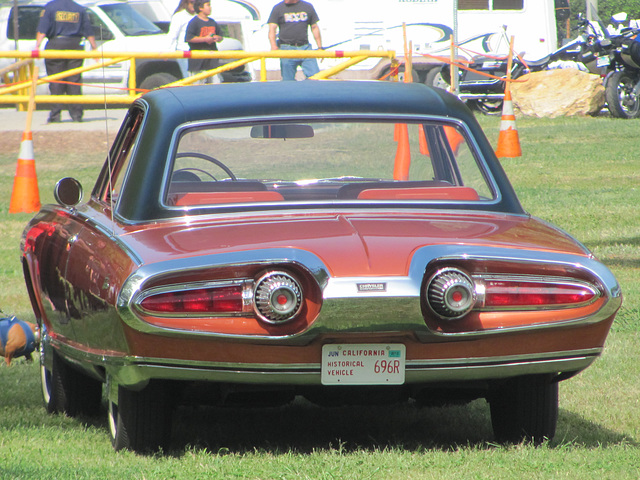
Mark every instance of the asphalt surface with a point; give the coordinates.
(12, 120)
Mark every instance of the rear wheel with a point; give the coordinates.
(65, 390)
(488, 107)
(623, 101)
(141, 421)
(525, 409)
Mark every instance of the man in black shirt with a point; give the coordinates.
(291, 19)
(65, 24)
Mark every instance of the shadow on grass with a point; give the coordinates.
(304, 428)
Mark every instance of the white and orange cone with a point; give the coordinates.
(25, 196)
(508, 140)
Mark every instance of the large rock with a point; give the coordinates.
(560, 92)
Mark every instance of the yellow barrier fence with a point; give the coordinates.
(17, 91)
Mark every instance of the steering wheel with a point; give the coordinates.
(188, 174)
(208, 159)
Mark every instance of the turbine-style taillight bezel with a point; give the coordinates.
(278, 297)
(450, 293)
(274, 297)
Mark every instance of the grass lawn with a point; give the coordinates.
(579, 173)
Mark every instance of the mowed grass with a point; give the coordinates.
(579, 173)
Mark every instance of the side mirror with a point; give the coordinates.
(68, 192)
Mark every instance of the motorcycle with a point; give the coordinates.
(482, 83)
(622, 80)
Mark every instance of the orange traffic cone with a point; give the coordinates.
(422, 140)
(403, 154)
(508, 141)
(25, 196)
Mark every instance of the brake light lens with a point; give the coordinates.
(213, 300)
(512, 293)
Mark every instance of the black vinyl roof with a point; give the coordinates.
(317, 96)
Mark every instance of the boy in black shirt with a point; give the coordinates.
(203, 34)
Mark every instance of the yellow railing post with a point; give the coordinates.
(132, 77)
(263, 69)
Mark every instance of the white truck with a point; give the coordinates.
(118, 27)
(353, 25)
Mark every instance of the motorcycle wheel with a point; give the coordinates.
(621, 101)
(487, 107)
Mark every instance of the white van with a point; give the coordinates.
(118, 28)
(353, 25)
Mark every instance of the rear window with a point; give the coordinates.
(326, 162)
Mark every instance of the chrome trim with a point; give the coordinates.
(135, 284)
(397, 309)
(135, 372)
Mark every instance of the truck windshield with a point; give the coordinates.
(130, 22)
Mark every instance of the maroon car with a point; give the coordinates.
(340, 241)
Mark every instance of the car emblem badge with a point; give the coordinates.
(372, 287)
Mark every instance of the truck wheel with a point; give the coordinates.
(622, 102)
(157, 80)
(525, 409)
(141, 421)
(434, 78)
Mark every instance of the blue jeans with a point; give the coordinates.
(288, 66)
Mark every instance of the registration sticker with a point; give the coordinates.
(374, 364)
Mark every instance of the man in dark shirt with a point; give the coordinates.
(291, 19)
(65, 24)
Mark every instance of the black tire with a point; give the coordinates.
(65, 390)
(415, 75)
(525, 409)
(434, 78)
(157, 80)
(141, 421)
(488, 107)
(621, 101)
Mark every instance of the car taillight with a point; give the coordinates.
(516, 293)
(451, 293)
(278, 297)
(206, 300)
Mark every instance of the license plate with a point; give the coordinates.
(354, 364)
(602, 62)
